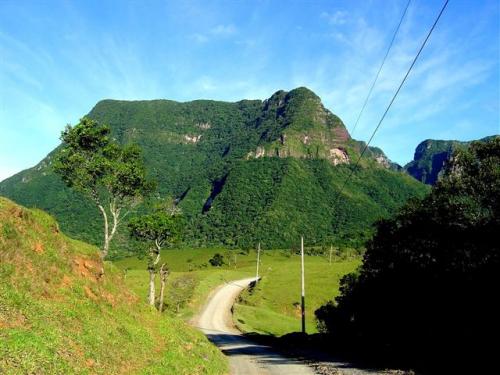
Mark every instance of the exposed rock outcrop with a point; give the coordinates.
(338, 156)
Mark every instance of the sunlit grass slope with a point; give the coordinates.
(273, 307)
(59, 314)
(192, 278)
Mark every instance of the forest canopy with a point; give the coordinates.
(426, 291)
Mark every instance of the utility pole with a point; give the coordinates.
(331, 251)
(303, 303)
(258, 261)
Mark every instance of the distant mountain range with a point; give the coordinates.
(242, 172)
(431, 157)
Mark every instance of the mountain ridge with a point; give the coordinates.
(285, 147)
(431, 156)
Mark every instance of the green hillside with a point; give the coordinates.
(275, 200)
(59, 314)
(242, 172)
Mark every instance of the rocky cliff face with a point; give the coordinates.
(431, 157)
(296, 124)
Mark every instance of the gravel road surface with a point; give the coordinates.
(245, 356)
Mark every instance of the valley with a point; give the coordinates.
(117, 291)
(271, 307)
(44, 273)
(249, 188)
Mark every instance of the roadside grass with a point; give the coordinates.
(60, 315)
(263, 321)
(188, 264)
(272, 307)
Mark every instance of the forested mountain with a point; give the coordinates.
(242, 172)
(430, 158)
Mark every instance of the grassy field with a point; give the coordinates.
(273, 307)
(191, 279)
(60, 315)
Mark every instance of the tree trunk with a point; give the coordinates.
(163, 278)
(108, 235)
(151, 294)
(154, 258)
(115, 212)
(105, 248)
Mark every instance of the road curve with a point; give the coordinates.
(245, 356)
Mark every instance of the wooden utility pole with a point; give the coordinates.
(258, 261)
(303, 303)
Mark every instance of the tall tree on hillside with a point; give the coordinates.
(156, 229)
(111, 175)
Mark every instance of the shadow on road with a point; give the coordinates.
(238, 345)
(312, 349)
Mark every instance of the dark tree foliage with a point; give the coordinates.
(156, 228)
(217, 260)
(276, 200)
(426, 294)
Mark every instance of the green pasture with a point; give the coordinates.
(272, 307)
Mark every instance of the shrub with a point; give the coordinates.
(217, 260)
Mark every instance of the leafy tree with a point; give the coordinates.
(112, 176)
(156, 229)
(430, 274)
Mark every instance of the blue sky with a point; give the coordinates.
(58, 58)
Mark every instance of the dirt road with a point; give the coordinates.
(245, 356)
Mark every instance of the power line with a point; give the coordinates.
(380, 68)
(393, 99)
